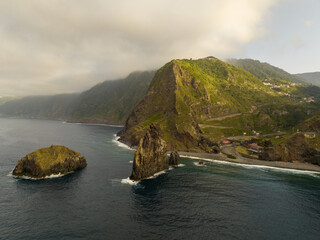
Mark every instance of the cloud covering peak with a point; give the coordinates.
(60, 46)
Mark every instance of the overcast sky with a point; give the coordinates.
(60, 46)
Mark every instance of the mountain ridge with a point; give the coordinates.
(187, 93)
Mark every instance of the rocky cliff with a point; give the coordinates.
(301, 146)
(151, 155)
(295, 149)
(47, 161)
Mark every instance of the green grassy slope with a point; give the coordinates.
(265, 71)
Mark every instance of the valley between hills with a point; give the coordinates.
(236, 109)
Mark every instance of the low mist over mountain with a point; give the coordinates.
(108, 102)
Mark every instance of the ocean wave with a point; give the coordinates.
(249, 166)
(120, 144)
(46, 177)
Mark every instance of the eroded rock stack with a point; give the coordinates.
(151, 155)
(47, 161)
(174, 159)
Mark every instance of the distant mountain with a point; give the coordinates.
(279, 80)
(313, 78)
(195, 102)
(265, 71)
(109, 102)
(47, 107)
(3, 99)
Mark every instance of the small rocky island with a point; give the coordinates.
(151, 155)
(47, 161)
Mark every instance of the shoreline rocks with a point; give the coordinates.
(47, 161)
(174, 159)
(150, 156)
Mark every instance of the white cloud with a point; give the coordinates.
(79, 43)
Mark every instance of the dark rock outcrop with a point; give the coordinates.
(151, 155)
(295, 149)
(174, 159)
(47, 161)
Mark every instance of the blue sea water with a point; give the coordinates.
(215, 201)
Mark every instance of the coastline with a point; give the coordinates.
(242, 161)
(296, 166)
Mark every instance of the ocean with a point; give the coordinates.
(215, 201)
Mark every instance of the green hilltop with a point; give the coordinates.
(195, 102)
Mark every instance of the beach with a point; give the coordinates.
(253, 162)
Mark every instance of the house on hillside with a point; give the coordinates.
(254, 148)
(225, 142)
(310, 134)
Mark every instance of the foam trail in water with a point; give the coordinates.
(120, 144)
(248, 166)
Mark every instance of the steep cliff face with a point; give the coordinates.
(151, 155)
(191, 100)
(47, 161)
(302, 147)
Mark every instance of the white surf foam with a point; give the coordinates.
(181, 165)
(156, 174)
(46, 177)
(198, 164)
(10, 174)
(129, 181)
(130, 161)
(120, 144)
(249, 166)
